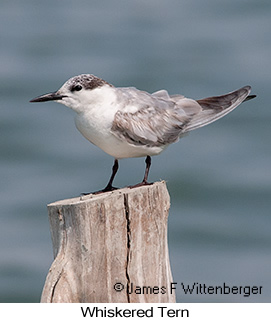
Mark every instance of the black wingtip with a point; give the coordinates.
(250, 97)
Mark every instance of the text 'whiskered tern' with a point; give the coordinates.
(126, 122)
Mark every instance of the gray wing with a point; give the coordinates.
(161, 119)
(157, 120)
(216, 107)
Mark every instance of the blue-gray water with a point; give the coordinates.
(218, 177)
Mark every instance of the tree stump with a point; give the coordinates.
(111, 247)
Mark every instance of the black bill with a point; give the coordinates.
(48, 97)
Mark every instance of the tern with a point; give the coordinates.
(126, 122)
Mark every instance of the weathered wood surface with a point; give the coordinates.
(110, 238)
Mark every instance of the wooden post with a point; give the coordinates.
(111, 247)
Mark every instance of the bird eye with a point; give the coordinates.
(77, 87)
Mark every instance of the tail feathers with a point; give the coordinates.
(214, 108)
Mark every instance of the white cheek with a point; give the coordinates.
(86, 98)
(70, 102)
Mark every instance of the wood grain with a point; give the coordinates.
(107, 239)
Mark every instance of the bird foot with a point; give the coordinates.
(108, 188)
(144, 183)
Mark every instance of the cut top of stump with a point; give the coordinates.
(145, 189)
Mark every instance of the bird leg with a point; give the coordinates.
(109, 186)
(115, 167)
(148, 165)
(145, 179)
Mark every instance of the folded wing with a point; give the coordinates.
(160, 119)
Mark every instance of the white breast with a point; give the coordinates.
(99, 133)
(95, 123)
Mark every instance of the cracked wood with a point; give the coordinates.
(115, 237)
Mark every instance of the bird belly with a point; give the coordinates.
(99, 134)
(121, 149)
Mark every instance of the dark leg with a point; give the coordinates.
(148, 165)
(109, 186)
(145, 179)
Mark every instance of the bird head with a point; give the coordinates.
(76, 93)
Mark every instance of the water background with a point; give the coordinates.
(218, 177)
